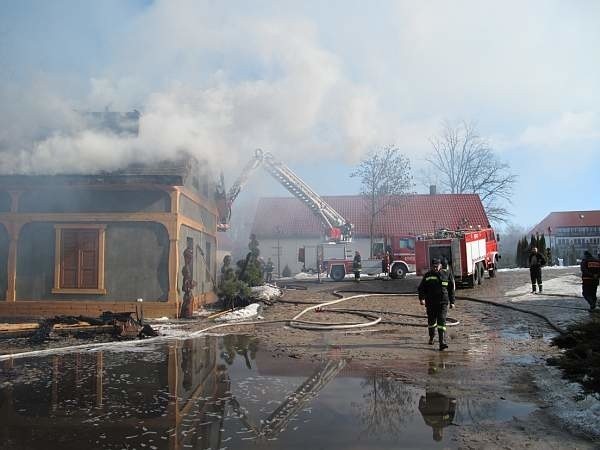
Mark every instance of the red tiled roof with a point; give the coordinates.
(411, 214)
(568, 219)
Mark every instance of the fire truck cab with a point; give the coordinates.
(470, 253)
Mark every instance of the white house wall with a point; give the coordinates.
(288, 248)
(288, 251)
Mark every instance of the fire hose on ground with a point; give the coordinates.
(295, 322)
(319, 326)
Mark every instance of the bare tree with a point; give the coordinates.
(385, 405)
(385, 174)
(466, 163)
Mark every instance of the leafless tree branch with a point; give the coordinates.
(385, 174)
(466, 163)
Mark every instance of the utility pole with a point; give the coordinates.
(550, 243)
(278, 231)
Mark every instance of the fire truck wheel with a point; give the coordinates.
(480, 275)
(338, 273)
(398, 271)
(474, 278)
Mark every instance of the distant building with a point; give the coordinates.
(570, 233)
(283, 225)
(87, 243)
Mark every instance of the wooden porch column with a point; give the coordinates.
(13, 229)
(173, 270)
(173, 231)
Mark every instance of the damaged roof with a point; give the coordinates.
(167, 172)
(409, 215)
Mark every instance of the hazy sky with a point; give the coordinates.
(319, 84)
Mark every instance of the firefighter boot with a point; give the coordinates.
(533, 288)
(443, 344)
(540, 288)
(431, 335)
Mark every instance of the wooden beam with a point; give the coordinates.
(160, 217)
(173, 231)
(174, 201)
(14, 229)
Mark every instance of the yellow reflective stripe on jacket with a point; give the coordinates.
(444, 283)
(431, 278)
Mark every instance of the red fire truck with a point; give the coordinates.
(469, 252)
(335, 259)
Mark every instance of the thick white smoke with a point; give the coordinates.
(214, 86)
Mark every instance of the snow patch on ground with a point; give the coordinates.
(569, 285)
(523, 269)
(265, 292)
(171, 329)
(249, 312)
(308, 276)
(578, 415)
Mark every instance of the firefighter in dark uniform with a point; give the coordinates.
(590, 276)
(356, 266)
(438, 412)
(536, 262)
(448, 271)
(435, 292)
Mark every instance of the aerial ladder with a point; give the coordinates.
(337, 228)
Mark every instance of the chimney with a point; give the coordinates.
(432, 189)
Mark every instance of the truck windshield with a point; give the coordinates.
(406, 243)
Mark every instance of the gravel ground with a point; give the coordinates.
(494, 354)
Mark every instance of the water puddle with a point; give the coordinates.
(524, 331)
(217, 393)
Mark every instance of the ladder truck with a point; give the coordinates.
(337, 228)
(333, 257)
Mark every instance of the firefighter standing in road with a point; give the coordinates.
(356, 266)
(435, 292)
(590, 275)
(536, 262)
(269, 271)
(448, 271)
(385, 264)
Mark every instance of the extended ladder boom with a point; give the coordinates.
(338, 228)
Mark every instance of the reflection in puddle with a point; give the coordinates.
(438, 412)
(223, 393)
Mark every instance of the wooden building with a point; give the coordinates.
(84, 244)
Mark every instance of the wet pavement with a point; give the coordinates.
(289, 388)
(221, 393)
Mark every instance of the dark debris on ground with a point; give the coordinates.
(580, 360)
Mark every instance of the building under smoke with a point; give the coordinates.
(83, 244)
